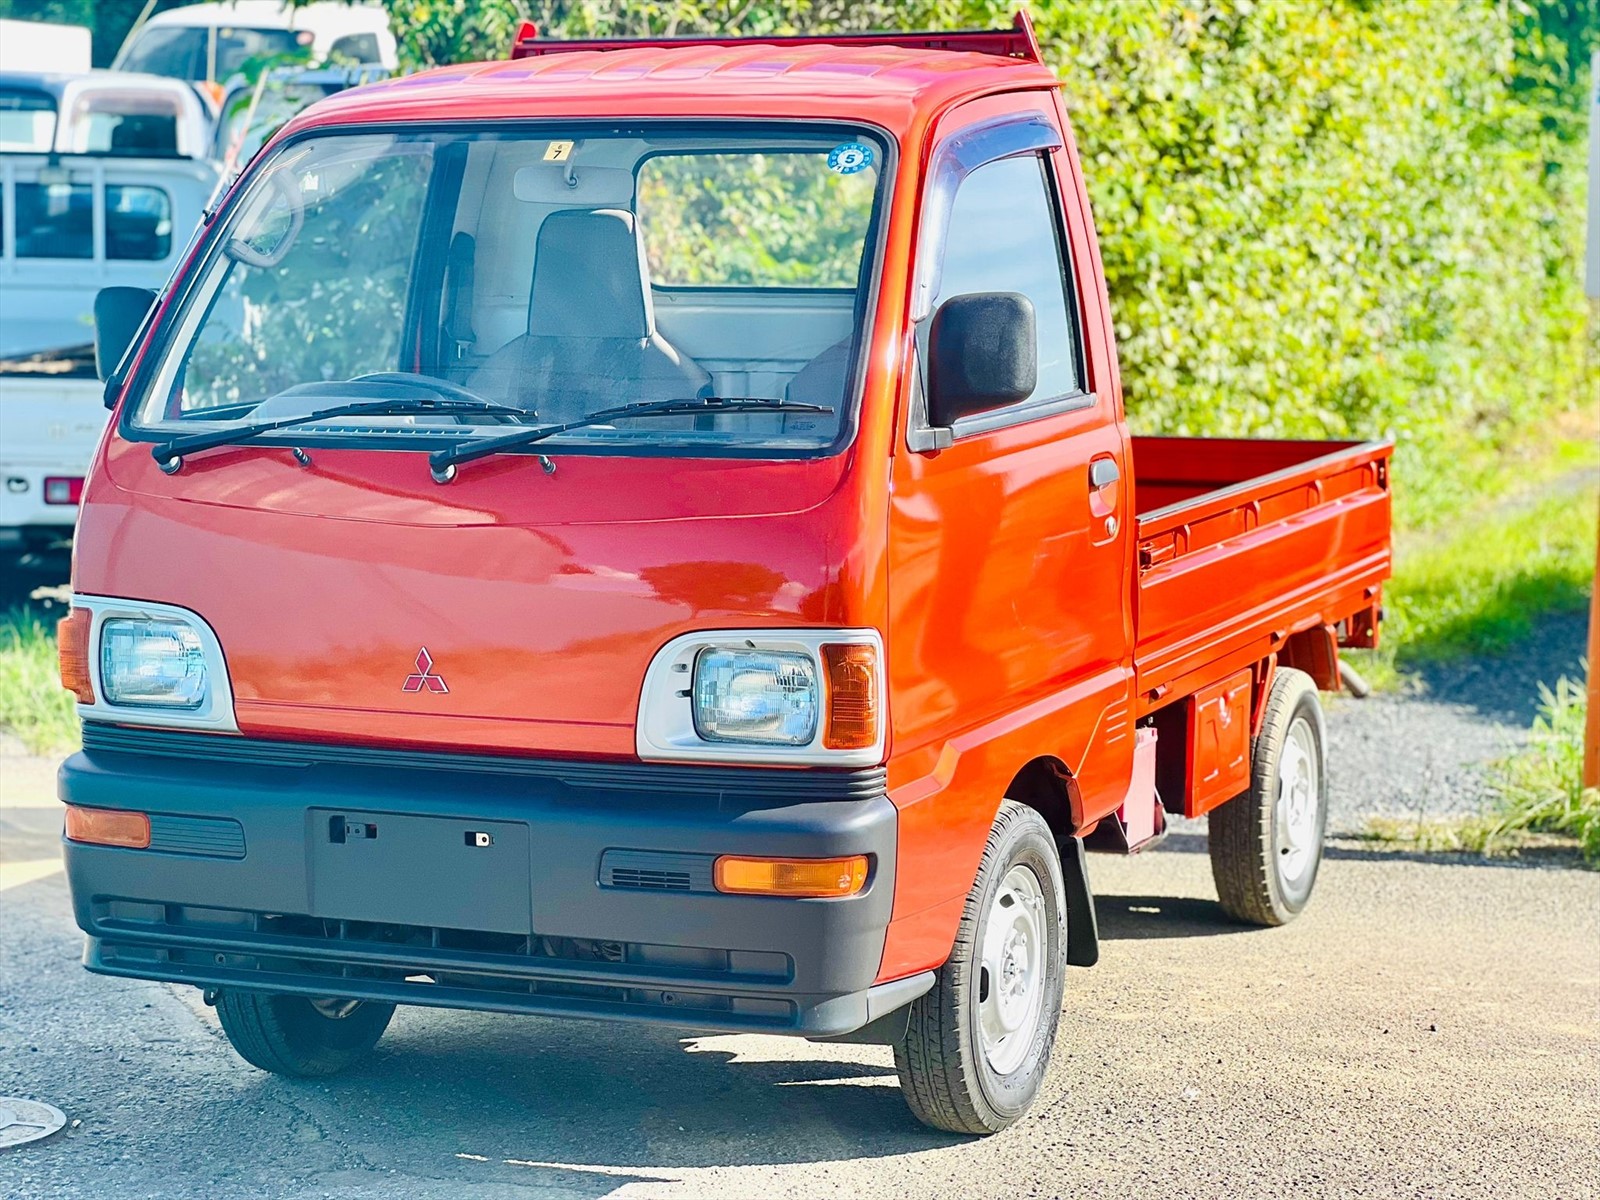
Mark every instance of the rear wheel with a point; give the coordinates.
(979, 1041)
(1266, 843)
(298, 1035)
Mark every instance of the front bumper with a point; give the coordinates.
(486, 882)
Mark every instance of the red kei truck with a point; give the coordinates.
(647, 530)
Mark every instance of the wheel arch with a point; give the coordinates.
(1047, 785)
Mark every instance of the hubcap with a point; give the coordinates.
(1011, 979)
(1299, 799)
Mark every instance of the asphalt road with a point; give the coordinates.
(1426, 1029)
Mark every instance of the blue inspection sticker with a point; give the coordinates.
(849, 158)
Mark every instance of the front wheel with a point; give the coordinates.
(1266, 843)
(299, 1036)
(979, 1041)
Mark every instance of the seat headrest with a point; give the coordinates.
(589, 277)
(145, 133)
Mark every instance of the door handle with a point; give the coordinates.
(1103, 472)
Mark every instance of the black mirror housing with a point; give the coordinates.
(118, 314)
(983, 352)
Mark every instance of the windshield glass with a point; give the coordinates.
(27, 121)
(198, 52)
(558, 272)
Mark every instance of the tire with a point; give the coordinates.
(297, 1036)
(955, 1073)
(1266, 843)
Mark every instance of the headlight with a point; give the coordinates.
(788, 697)
(151, 662)
(770, 697)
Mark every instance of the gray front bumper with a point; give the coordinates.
(250, 882)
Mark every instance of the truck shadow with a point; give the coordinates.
(1123, 918)
(587, 1108)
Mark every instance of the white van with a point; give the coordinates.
(102, 112)
(211, 43)
(74, 223)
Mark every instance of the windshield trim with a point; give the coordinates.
(181, 291)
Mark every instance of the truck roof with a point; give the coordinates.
(888, 81)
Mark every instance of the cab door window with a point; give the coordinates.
(1004, 236)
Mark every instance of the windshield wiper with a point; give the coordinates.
(442, 463)
(170, 453)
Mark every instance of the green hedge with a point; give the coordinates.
(1329, 218)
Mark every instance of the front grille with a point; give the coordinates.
(420, 964)
(210, 837)
(657, 871)
(654, 881)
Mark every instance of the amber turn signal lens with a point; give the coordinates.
(852, 697)
(72, 641)
(108, 827)
(791, 876)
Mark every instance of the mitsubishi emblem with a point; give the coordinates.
(425, 677)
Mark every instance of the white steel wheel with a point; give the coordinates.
(1297, 831)
(1011, 977)
(1266, 843)
(978, 1042)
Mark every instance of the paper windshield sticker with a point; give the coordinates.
(849, 158)
(557, 151)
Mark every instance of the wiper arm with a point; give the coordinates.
(170, 453)
(442, 463)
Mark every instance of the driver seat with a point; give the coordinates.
(591, 340)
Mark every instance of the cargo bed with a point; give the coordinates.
(1243, 543)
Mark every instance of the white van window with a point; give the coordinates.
(356, 47)
(55, 220)
(27, 121)
(188, 52)
(170, 51)
(138, 223)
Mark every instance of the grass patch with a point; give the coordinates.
(1474, 576)
(1540, 803)
(1540, 789)
(1484, 586)
(33, 705)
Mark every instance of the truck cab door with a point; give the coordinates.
(1009, 530)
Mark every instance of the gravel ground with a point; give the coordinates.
(1424, 1030)
(1423, 753)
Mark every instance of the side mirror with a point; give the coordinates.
(118, 314)
(983, 353)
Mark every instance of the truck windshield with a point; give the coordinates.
(560, 272)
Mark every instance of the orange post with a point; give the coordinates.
(1591, 728)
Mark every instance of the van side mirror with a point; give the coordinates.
(118, 314)
(983, 354)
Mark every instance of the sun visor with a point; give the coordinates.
(560, 183)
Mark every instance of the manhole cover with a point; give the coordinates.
(27, 1120)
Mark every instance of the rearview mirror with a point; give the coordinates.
(118, 314)
(983, 354)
